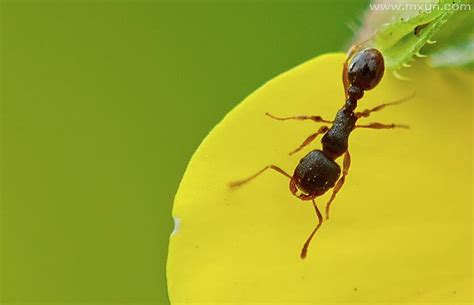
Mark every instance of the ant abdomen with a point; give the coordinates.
(316, 173)
(366, 69)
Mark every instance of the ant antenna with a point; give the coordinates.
(238, 183)
(304, 250)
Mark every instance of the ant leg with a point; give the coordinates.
(304, 250)
(310, 139)
(345, 77)
(340, 182)
(375, 125)
(315, 118)
(356, 48)
(367, 112)
(244, 181)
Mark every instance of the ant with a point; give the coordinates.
(318, 172)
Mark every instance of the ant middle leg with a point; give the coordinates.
(366, 113)
(310, 139)
(340, 182)
(376, 125)
(304, 250)
(314, 118)
(248, 179)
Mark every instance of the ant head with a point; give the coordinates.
(366, 69)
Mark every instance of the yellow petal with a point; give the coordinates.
(400, 229)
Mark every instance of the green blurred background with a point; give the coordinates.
(102, 106)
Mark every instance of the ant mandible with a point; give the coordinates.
(318, 172)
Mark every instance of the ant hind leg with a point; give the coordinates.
(366, 113)
(352, 51)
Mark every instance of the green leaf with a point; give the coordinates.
(442, 28)
(455, 47)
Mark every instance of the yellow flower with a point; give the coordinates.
(401, 227)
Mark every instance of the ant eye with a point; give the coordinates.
(366, 69)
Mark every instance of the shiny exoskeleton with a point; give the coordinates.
(317, 172)
(364, 73)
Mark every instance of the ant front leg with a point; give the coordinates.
(314, 118)
(246, 180)
(310, 139)
(340, 182)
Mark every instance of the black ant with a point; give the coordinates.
(318, 172)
